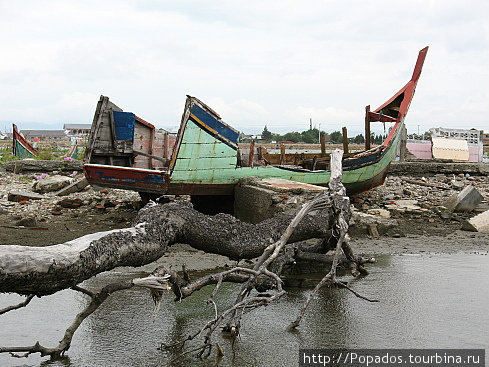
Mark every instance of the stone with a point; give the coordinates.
(405, 205)
(457, 184)
(465, 201)
(381, 212)
(362, 223)
(479, 223)
(27, 222)
(372, 230)
(50, 184)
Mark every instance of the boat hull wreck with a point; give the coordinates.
(206, 158)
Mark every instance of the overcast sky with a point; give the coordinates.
(277, 63)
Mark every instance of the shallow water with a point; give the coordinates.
(439, 301)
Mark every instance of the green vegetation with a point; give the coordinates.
(312, 137)
(46, 152)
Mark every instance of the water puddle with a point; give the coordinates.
(438, 301)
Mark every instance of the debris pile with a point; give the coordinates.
(438, 204)
(84, 211)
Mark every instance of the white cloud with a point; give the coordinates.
(254, 62)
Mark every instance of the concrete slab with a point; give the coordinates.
(74, 187)
(257, 199)
(24, 195)
(479, 223)
(465, 201)
(280, 184)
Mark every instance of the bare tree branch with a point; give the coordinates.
(20, 305)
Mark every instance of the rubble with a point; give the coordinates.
(420, 209)
(17, 189)
(38, 165)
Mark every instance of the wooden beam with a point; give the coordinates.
(345, 140)
(135, 152)
(282, 154)
(367, 127)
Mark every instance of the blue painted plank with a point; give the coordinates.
(221, 128)
(124, 125)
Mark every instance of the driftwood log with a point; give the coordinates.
(274, 243)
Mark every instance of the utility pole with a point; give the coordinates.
(319, 134)
(310, 123)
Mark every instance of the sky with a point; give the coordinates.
(257, 63)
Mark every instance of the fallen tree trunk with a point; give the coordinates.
(277, 242)
(45, 270)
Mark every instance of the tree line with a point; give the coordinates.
(311, 136)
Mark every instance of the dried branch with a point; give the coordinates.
(20, 305)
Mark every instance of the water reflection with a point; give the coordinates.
(437, 302)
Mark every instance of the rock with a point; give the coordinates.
(479, 223)
(27, 222)
(372, 230)
(52, 183)
(361, 223)
(457, 184)
(405, 205)
(465, 201)
(381, 212)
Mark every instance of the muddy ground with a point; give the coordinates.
(422, 229)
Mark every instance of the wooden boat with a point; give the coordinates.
(21, 147)
(206, 158)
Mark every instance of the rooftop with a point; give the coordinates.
(28, 133)
(77, 126)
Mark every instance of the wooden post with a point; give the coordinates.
(282, 154)
(402, 146)
(345, 140)
(323, 145)
(367, 127)
(251, 157)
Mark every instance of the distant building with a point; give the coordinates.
(428, 149)
(45, 135)
(485, 138)
(77, 129)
